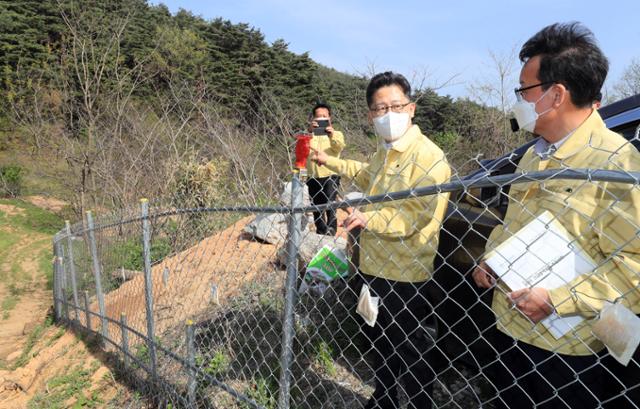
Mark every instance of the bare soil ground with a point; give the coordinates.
(39, 362)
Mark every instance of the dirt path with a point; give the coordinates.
(34, 354)
(28, 291)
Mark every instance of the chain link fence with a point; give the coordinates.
(249, 307)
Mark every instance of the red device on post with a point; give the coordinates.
(303, 147)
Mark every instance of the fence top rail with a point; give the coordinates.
(461, 184)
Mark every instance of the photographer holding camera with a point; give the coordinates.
(323, 183)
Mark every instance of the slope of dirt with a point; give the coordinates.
(23, 294)
(227, 260)
(56, 363)
(39, 363)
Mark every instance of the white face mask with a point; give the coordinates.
(392, 125)
(525, 113)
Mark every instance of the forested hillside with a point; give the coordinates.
(104, 102)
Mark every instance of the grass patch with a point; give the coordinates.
(7, 241)
(35, 335)
(324, 358)
(39, 247)
(129, 254)
(8, 304)
(215, 364)
(10, 301)
(263, 392)
(64, 388)
(61, 331)
(33, 218)
(46, 266)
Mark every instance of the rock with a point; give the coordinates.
(270, 228)
(310, 245)
(285, 197)
(124, 274)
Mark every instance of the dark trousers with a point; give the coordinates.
(526, 376)
(324, 190)
(622, 383)
(399, 343)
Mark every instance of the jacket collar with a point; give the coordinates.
(409, 137)
(581, 137)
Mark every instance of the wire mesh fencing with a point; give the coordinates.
(238, 307)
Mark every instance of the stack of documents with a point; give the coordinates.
(542, 254)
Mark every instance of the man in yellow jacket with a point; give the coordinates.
(399, 240)
(563, 73)
(323, 183)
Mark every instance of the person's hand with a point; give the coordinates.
(312, 126)
(483, 276)
(320, 157)
(534, 302)
(329, 131)
(355, 219)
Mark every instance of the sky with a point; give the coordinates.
(444, 44)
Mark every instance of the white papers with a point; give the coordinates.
(542, 254)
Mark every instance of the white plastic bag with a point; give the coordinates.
(619, 330)
(368, 306)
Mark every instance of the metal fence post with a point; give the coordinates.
(65, 305)
(97, 275)
(86, 309)
(124, 338)
(148, 283)
(62, 273)
(72, 270)
(288, 329)
(191, 359)
(56, 282)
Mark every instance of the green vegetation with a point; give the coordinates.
(263, 391)
(30, 218)
(71, 386)
(218, 363)
(324, 358)
(215, 95)
(129, 254)
(33, 338)
(141, 352)
(11, 180)
(24, 232)
(10, 301)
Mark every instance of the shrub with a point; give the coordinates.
(129, 254)
(11, 180)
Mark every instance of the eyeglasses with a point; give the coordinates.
(381, 110)
(519, 91)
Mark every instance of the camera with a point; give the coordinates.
(321, 129)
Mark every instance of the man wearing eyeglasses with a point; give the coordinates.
(324, 184)
(563, 73)
(398, 241)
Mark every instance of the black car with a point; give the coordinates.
(464, 315)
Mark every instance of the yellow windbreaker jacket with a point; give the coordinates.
(332, 146)
(602, 217)
(401, 237)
